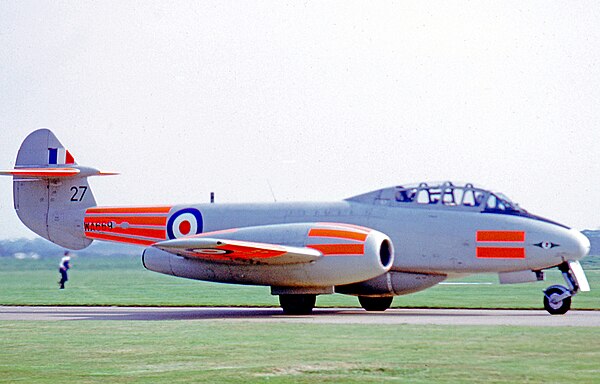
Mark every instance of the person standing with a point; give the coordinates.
(63, 268)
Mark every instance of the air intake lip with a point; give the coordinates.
(386, 253)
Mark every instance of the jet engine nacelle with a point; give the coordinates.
(348, 254)
(392, 283)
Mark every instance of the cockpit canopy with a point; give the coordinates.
(452, 195)
(442, 195)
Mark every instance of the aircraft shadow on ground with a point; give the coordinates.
(145, 314)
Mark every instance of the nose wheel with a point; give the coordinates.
(557, 298)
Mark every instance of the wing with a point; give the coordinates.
(279, 255)
(238, 252)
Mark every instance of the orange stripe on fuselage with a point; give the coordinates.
(122, 224)
(133, 220)
(500, 253)
(132, 210)
(158, 234)
(100, 236)
(500, 236)
(339, 249)
(337, 233)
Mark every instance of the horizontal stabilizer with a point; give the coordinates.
(54, 173)
(235, 251)
(42, 172)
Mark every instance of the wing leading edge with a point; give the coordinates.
(236, 251)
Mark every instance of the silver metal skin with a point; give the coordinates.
(387, 242)
(439, 241)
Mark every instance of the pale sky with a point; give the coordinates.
(323, 100)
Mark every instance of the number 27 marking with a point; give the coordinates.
(78, 192)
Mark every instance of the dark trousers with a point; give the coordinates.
(63, 277)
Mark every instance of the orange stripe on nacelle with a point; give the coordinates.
(339, 249)
(337, 233)
(500, 253)
(351, 226)
(501, 236)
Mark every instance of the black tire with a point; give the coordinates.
(297, 304)
(375, 304)
(559, 308)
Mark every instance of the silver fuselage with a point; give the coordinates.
(425, 240)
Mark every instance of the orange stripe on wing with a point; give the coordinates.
(337, 233)
(500, 253)
(339, 249)
(243, 251)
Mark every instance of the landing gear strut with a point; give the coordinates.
(301, 304)
(557, 298)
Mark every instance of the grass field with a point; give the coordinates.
(234, 351)
(124, 281)
(221, 350)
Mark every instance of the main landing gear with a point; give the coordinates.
(375, 304)
(300, 304)
(303, 304)
(557, 298)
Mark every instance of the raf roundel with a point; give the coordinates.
(185, 222)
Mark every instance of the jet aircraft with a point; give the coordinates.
(375, 246)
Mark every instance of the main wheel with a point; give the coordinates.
(297, 304)
(556, 307)
(378, 304)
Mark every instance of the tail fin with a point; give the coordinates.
(51, 192)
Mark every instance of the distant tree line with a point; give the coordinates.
(43, 248)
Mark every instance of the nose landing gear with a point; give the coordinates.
(557, 298)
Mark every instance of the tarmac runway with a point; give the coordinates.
(319, 316)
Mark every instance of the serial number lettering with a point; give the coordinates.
(99, 226)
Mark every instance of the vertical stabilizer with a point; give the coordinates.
(51, 192)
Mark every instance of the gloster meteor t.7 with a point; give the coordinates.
(377, 245)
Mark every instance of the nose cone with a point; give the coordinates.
(578, 245)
